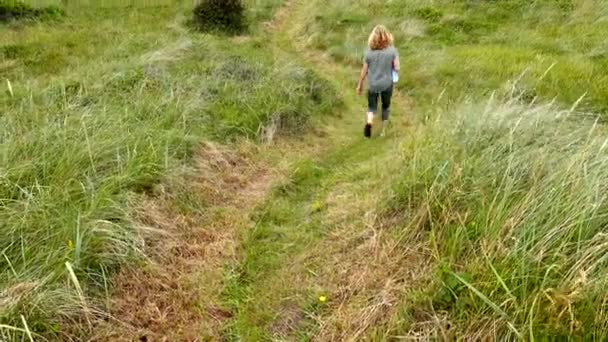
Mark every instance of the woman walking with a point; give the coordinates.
(381, 66)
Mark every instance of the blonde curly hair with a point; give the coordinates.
(380, 38)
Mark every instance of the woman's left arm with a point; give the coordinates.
(396, 62)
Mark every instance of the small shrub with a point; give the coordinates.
(564, 5)
(353, 19)
(19, 10)
(220, 15)
(472, 25)
(429, 13)
(16, 51)
(238, 69)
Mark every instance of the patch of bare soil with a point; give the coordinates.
(194, 222)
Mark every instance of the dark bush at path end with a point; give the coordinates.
(220, 15)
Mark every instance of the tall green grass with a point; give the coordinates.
(258, 10)
(101, 107)
(509, 194)
(469, 48)
(512, 199)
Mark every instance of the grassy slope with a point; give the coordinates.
(506, 196)
(98, 115)
(477, 223)
(474, 47)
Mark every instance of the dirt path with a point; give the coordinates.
(322, 262)
(288, 223)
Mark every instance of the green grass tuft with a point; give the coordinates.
(516, 216)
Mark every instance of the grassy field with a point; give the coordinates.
(480, 216)
(553, 49)
(97, 109)
(504, 189)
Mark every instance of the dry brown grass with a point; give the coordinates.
(367, 264)
(176, 297)
(11, 296)
(368, 274)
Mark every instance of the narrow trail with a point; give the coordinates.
(322, 233)
(291, 222)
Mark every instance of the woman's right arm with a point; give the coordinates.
(362, 78)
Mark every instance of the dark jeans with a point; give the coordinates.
(372, 102)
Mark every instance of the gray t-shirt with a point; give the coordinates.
(380, 68)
